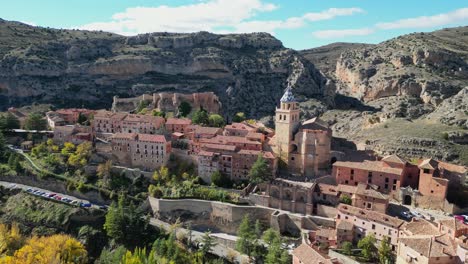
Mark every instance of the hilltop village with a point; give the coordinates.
(336, 205)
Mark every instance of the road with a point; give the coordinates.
(218, 250)
(23, 187)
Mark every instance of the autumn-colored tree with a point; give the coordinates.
(104, 172)
(10, 239)
(68, 149)
(81, 155)
(53, 249)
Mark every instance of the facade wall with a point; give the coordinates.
(432, 186)
(387, 182)
(144, 155)
(364, 227)
(370, 203)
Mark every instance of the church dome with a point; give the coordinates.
(288, 96)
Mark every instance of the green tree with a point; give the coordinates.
(127, 224)
(111, 256)
(345, 199)
(184, 109)
(260, 171)
(347, 248)
(207, 244)
(220, 180)
(239, 117)
(367, 246)
(216, 120)
(200, 117)
(142, 105)
(159, 113)
(35, 122)
(2, 145)
(270, 235)
(385, 251)
(11, 121)
(82, 120)
(247, 239)
(162, 175)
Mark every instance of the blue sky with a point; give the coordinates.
(299, 24)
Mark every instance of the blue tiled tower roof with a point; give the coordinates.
(288, 96)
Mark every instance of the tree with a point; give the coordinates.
(367, 246)
(142, 105)
(260, 171)
(82, 119)
(162, 175)
(345, 199)
(81, 155)
(270, 235)
(104, 172)
(200, 117)
(247, 239)
(159, 113)
(35, 122)
(126, 223)
(68, 148)
(216, 120)
(52, 249)
(220, 180)
(208, 243)
(239, 117)
(184, 109)
(10, 239)
(2, 145)
(11, 121)
(109, 256)
(385, 251)
(347, 248)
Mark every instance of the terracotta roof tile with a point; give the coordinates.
(308, 255)
(178, 121)
(368, 165)
(152, 138)
(435, 246)
(371, 215)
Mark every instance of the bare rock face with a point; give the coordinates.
(432, 66)
(248, 72)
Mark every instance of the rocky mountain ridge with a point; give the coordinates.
(70, 67)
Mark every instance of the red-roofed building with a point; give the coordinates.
(178, 124)
(144, 151)
(109, 122)
(238, 129)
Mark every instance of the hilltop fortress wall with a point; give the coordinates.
(169, 102)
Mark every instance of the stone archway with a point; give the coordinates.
(407, 199)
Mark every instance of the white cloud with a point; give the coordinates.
(459, 15)
(342, 33)
(220, 16)
(332, 13)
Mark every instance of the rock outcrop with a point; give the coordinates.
(248, 72)
(432, 66)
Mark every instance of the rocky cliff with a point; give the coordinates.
(407, 95)
(69, 67)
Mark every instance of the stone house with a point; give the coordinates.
(367, 222)
(75, 134)
(142, 124)
(439, 249)
(145, 151)
(388, 174)
(238, 129)
(179, 125)
(304, 148)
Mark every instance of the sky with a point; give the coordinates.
(299, 24)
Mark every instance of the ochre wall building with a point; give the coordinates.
(304, 148)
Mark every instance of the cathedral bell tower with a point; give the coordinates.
(286, 123)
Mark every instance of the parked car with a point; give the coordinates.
(85, 204)
(406, 215)
(51, 195)
(459, 218)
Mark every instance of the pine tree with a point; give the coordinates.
(247, 239)
(208, 243)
